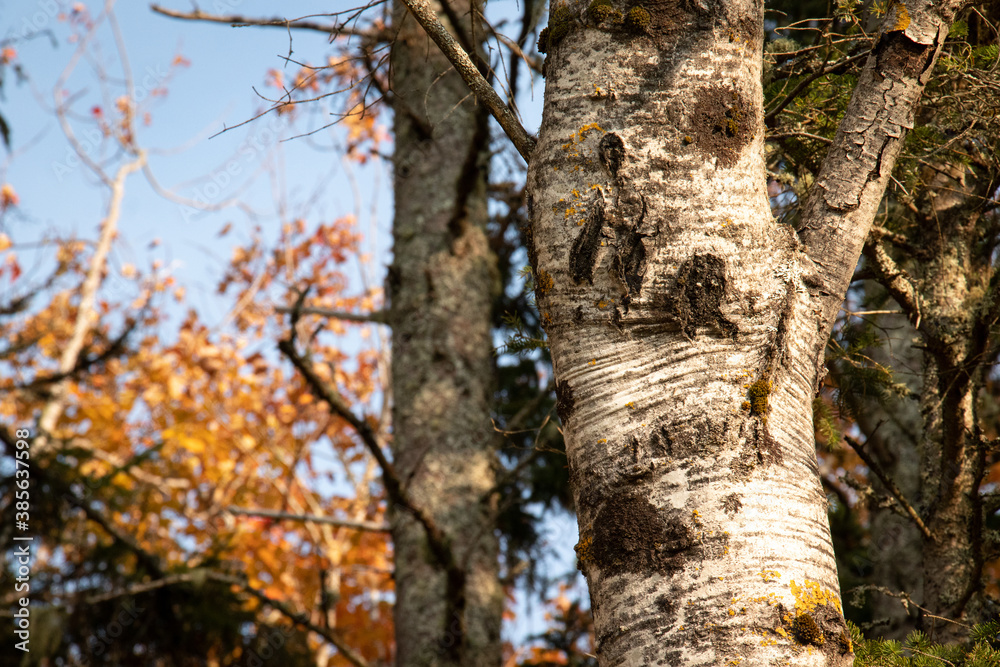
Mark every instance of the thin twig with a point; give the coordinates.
(311, 518)
(865, 313)
(437, 540)
(484, 92)
(240, 21)
(789, 135)
(377, 317)
(873, 465)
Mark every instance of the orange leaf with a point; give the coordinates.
(8, 197)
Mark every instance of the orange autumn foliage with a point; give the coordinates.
(186, 421)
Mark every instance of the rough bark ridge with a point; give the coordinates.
(441, 288)
(687, 327)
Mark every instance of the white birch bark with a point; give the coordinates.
(687, 326)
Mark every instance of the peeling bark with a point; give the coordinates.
(858, 166)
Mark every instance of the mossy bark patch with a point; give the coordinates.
(721, 123)
(631, 535)
(807, 632)
(700, 290)
(823, 629)
(695, 437)
(561, 22)
(732, 504)
(665, 16)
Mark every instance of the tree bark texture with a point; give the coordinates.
(441, 287)
(955, 291)
(687, 326)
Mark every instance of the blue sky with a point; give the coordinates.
(271, 177)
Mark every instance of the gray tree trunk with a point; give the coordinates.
(946, 292)
(954, 291)
(441, 288)
(687, 327)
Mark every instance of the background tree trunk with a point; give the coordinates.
(441, 287)
(892, 430)
(944, 291)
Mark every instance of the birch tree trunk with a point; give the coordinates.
(442, 285)
(687, 327)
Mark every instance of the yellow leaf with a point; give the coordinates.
(193, 445)
(174, 387)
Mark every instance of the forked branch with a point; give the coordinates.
(437, 540)
(427, 18)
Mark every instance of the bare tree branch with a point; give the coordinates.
(890, 486)
(86, 314)
(298, 618)
(84, 362)
(895, 280)
(311, 518)
(427, 18)
(437, 540)
(240, 21)
(378, 317)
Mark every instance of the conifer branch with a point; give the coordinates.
(772, 115)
